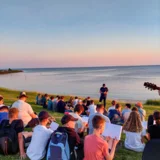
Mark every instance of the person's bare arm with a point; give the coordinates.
(148, 136)
(110, 156)
(33, 115)
(21, 146)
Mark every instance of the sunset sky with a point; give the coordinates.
(72, 33)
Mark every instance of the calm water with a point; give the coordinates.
(125, 83)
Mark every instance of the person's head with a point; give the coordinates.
(113, 103)
(88, 98)
(92, 101)
(133, 124)
(79, 109)
(4, 109)
(80, 101)
(75, 97)
(139, 105)
(118, 107)
(98, 124)
(23, 96)
(103, 85)
(128, 105)
(1, 99)
(68, 121)
(62, 98)
(13, 113)
(52, 97)
(156, 117)
(135, 109)
(100, 108)
(43, 117)
(84, 102)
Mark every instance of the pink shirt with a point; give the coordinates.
(95, 148)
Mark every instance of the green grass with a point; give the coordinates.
(121, 154)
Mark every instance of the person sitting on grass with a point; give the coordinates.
(40, 138)
(92, 108)
(115, 115)
(96, 147)
(26, 112)
(68, 125)
(50, 103)
(1, 101)
(113, 103)
(154, 129)
(141, 111)
(134, 135)
(18, 127)
(126, 112)
(3, 113)
(79, 125)
(100, 111)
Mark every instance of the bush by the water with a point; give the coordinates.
(153, 102)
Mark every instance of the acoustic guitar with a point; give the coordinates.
(151, 86)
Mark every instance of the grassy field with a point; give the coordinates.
(121, 154)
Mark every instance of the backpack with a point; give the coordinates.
(58, 148)
(8, 138)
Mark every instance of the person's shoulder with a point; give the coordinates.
(18, 122)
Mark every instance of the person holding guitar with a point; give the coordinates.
(103, 94)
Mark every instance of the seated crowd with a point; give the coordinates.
(84, 139)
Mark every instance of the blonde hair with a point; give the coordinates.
(133, 124)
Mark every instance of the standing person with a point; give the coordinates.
(26, 113)
(40, 138)
(95, 147)
(134, 135)
(103, 91)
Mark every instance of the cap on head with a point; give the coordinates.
(66, 118)
(139, 104)
(43, 115)
(23, 94)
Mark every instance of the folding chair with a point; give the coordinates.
(151, 150)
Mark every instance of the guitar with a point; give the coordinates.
(151, 86)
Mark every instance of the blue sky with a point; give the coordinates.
(79, 33)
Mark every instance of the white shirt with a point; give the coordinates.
(111, 108)
(133, 141)
(90, 125)
(75, 102)
(79, 123)
(25, 110)
(37, 147)
(92, 109)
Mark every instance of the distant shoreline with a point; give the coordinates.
(9, 71)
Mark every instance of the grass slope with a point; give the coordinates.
(122, 154)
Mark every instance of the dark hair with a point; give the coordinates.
(118, 106)
(62, 97)
(76, 97)
(156, 116)
(134, 109)
(52, 97)
(88, 97)
(97, 122)
(92, 101)
(104, 84)
(113, 102)
(1, 98)
(84, 101)
(4, 108)
(128, 105)
(79, 108)
(46, 95)
(100, 106)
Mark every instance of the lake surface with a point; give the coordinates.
(124, 83)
